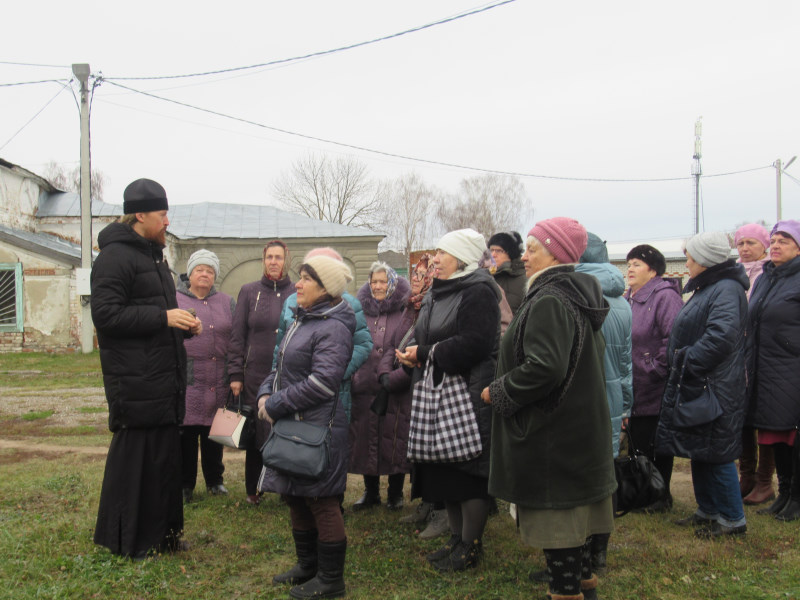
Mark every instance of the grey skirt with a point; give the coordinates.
(568, 528)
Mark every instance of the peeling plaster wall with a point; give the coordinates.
(19, 199)
(51, 315)
(69, 228)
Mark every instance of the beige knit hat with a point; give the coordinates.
(333, 273)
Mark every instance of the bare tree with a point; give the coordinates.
(488, 204)
(409, 205)
(70, 181)
(335, 190)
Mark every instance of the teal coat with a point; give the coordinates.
(551, 448)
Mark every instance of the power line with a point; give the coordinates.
(63, 87)
(416, 159)
(33, 82)
(24, 64)
(322, 52)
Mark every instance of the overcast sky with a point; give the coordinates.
(585, 89)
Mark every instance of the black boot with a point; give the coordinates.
(790, 512)
(329, 581)
(465, 555)
(599, 548)
(773, 509)
(305, 545)
(371, 495)
(445, 550)
(394, 496)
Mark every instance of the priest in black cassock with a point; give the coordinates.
(140, 331)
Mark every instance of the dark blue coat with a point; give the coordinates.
(312, 359)
(708, 335)
(773, 348)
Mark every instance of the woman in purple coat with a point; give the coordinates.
(655, 302)
(255, 325)
(312, 359)
(378, 429)
(205, 370)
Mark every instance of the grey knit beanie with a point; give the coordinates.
(709, 248)
(203, 257)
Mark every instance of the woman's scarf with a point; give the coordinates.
(426, 260)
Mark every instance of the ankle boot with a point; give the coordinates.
(445, 550)
(465, 555)
(589, 588)
(763, 483)
(371, 496)
(599, 549)
(305, 545)
(329, 580)
(773, 509)
(790, 512)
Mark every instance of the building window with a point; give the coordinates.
(10, 297)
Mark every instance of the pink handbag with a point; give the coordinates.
(233, 428)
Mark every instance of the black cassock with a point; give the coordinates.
(141, 503)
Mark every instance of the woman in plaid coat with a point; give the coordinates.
(461, 317)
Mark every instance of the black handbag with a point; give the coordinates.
(639, 484)
(692, 412)
(298, 449)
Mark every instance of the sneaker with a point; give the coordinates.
(437, 525)
(420, 514)
(217, 490)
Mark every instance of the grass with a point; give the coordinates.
(36, 415)
(39, 371)
(48, 505)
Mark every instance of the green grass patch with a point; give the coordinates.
(92, 409)
(39, 371)
(37, 414)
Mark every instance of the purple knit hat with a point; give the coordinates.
(563, 237)
(788, 227)
(753, 231)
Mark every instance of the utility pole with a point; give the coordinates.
(697, 171)
(779, 168)
(82, 71)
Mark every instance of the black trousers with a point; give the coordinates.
(210, 456)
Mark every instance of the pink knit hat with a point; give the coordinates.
(753, 231)
(563, 237)
(325, 251)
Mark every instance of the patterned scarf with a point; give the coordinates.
(426, 261)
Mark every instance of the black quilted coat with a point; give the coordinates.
(708, 335)
(143, 360)
(773, 348)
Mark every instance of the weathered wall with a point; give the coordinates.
(69, 228)
(19, 198)
(50, 315)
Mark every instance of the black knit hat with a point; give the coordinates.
(144, 195)
(510, 242)
(650, 256)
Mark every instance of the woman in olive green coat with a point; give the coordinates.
(551, 435)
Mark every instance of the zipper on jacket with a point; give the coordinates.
(258, 297)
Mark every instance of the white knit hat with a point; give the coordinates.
(709, 248)
(333, 273)
(467, 245)
(203, 257)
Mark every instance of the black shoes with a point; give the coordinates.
(217, 490)
(188, 494)
(394, 502)
(368, 500)
(445, 550)
(717, 531)
(694, 520)
(465, 555)
(773, 509)
(790, 512)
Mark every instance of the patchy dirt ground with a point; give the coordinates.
(71, 406)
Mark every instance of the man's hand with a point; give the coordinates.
(183, 319)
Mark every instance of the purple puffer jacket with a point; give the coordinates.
(378, 444)
(654, 308)
(206, 373)
(312, 359)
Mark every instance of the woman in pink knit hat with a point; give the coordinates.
(755, 468)
(550, 393)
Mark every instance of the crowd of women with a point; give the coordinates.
(417, 378)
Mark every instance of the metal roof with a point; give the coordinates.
(43, 243)
(214, 219)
